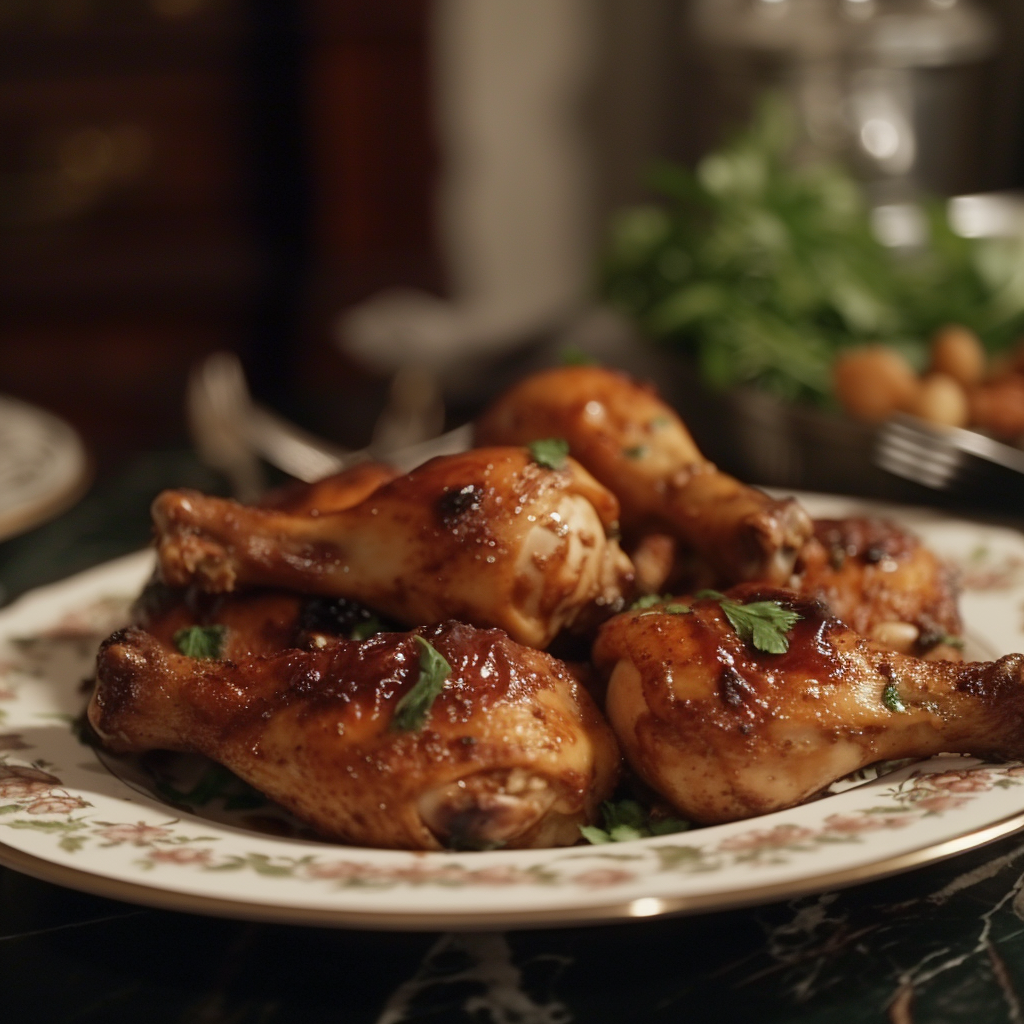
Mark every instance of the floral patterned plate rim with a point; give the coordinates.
(65, 816)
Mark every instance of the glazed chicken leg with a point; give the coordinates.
(639, 448)
(265, 621)
(724, 731)
(883, 583)
(512, 752)
(488, 537)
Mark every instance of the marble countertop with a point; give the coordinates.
(941, 944)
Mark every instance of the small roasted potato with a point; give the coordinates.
(957, 352)
(941, 399)
(873, 382)
(999, 407)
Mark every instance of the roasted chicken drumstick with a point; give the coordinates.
(264, 621)
(724, 731)
(489, 537)
(639, 448)
(512, 752)
(883, 583)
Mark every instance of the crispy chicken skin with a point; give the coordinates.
(264, 621)
(724, 731)
(513, 751)
(488, 537)
(883, 583)
(256, 621)
(639, 448)
(333, 493)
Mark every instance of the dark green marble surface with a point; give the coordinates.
(943, 944)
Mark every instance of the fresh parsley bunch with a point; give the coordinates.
(764, 269)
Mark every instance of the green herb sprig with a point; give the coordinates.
(366, 628)
(650, 604)
(201, 641)
(892, 700)
(763, 268)
(761, 623)
(625, 820)
(549, 452)
(413, 709)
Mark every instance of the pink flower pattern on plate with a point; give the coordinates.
(139, 834)
(57, 803)
(20, 783)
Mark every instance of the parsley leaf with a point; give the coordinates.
(412, 710)
(625, 820)
(365, 629)
(892, 700)
(651, 602)
(549, 452)
(201, 641)
(761, 623)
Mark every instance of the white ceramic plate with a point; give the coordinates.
(67, 817)
(43, 466)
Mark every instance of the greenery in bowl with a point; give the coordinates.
(764, 269)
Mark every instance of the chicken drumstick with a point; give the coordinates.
(639, 448)
(724, 731)
(490, 537)
(512, 751)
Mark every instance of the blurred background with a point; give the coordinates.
(336, 190)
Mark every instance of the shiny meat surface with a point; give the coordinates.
(883, 583)
(332, 493)
(639, 448)
(488, 537)
(724, 731)
(513, 751)
(264, 621)
(255, 622)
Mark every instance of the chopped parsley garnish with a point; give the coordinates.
(659, 603)
(638, 451)
(625, 820)
(201, 641)
(761, 623)
(216, 783)
(365, 629)
(892, 700)
(549, 452)
(413, 709)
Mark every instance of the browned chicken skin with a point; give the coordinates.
(512, 753)
(883, 583)
(333, 493)
(488, 537)
(263, 621)
(639, 448)
(724, 731)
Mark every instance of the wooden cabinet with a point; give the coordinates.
(126, 244)
(183, 175)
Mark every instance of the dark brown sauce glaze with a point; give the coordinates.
(512, 748)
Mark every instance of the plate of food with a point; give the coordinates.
(44, 467)
(575, 674)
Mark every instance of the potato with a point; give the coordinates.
(999, 407)
(941, 399)
(873, 382)
(957, 352)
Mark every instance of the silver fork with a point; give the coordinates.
(233, 433)
(949, 459)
